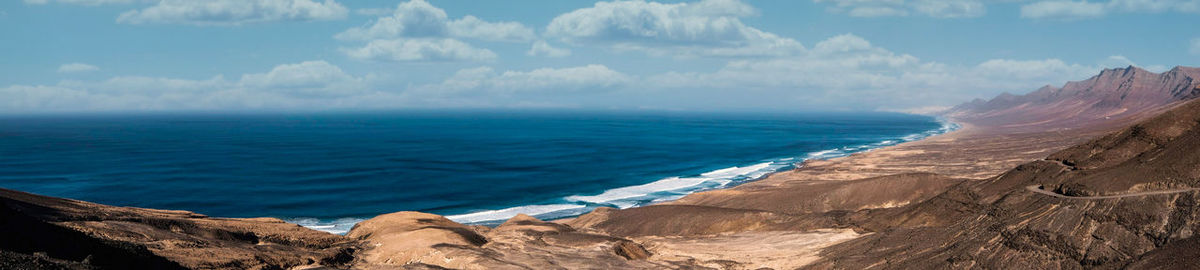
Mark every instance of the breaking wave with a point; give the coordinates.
(665, 189)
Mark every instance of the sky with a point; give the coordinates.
(712, 55)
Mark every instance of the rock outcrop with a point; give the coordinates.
(46, 232)
(409, 239)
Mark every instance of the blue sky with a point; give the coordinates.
(233, 55)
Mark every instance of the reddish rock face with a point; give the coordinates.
(1114, 94)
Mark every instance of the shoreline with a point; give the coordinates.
(634, 196)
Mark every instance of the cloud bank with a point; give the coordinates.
(844, 72)
(76, 68)
(705, 28)
(403, 50)
(86, 2)
(541, 48)
(418, 31)
(1075, 10)
(233, 12)
(888, 8)
(1195, 48)
(309, 85)
(744, 67)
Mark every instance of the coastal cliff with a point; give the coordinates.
(1054, 179)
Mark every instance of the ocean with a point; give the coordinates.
(328, 171)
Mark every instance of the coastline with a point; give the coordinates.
(736, 222)
(626, 197)
(748, 174)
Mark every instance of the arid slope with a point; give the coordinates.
(1126, 199)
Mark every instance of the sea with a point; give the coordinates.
(330, 170)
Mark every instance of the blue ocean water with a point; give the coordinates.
(330, 170)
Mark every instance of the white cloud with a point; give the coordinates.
(418, 18)
(541, 48)
(1063, 10)
(234, 12)
(311, 78)
(373, 11)
(841, 72)
(76, 67)
(886, 8)
(1032, 70)
(1155, 6)
(950, 8)
(876, 11)
(706, 28)
(86, 2)
(415, 18)
(315, 85)
(1120, 61)
(1073, 10)
(419, 31)
(850, 72)
(557, 80)
(419, 49)
(472, 27)
(1195, 49)
(307, 85)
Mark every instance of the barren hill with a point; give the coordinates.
(1126, 199)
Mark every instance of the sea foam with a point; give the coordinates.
(336, 226)
(625, 197)
(503, 214)
(662, 190)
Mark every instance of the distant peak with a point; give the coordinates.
(1112, 88)
(1127, 69)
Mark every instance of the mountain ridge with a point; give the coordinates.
(1116, 93)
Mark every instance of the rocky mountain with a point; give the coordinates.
(1121, 93)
